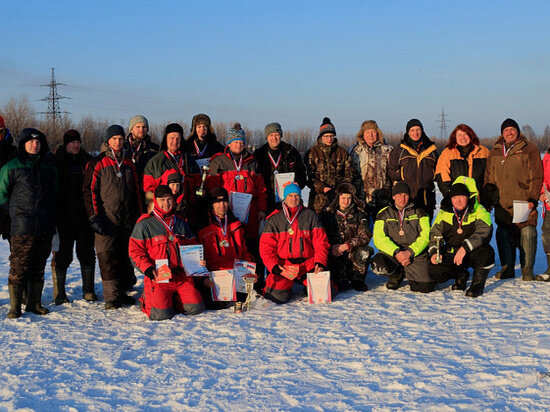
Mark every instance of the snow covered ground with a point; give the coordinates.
(377, 350)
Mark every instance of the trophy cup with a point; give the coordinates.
(249, 280)
(200, 191)
(438, 258)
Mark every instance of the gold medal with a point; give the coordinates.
(459, 230)
(171, 238)
(401, 232)
(290, 231)
(224, 243)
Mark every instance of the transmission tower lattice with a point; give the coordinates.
(443, 125)
(54, 111)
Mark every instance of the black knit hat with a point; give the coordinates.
(459, 189)
(400, 187)
(509, 123)
(173, 128)
(174, 178)
(414, 122)
(71, 136)
(163, 191)
(218, 194)
(326, 127)
(114, 130)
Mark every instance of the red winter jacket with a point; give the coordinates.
(163, 162)
(150, 241)
(307, 245)
(546, 181)
(223, 173)
(219, 257)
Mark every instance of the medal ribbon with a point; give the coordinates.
(401, 215)
(169, 227)
(504, 151)
(344, 215)
(237, 168)
(224, 227)
(132, 149)
(275, 164)
(200, 153)
(460, 219)
(118, 164)
(285, 210)
(178, 160)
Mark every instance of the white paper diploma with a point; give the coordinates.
(241, 268)
(240, 205)
(191, 256)
(224, 286)
(521, 211)
(318, 287)
(202, 162)
(281, 179)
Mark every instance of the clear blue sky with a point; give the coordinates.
(288, 61)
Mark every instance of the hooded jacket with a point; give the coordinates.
(28, 191)
(516, 176)
(110, 195)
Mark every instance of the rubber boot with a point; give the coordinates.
(528, 251)
(461, 280)
(59, 277)
(34, 298)
(16, 297)
(478, 282)
(88, 275)
(394, 281)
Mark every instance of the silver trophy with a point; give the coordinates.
(249, 280)
(438, 258)
(200, 191)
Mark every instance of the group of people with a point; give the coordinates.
(136, 203)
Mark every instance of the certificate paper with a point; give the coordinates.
(281, 179)
(318, 287)
(224, 286)
(191, 256)
(521, 211)
(240, 205)
(241, 268)
(163, 271)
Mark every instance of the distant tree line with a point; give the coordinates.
(18, 114)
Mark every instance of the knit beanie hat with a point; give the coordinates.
(400, 187)
(292, 188)
(218, 194)
(29, 134)
(173, 128)
(509, 123)
(326, 127)
(114, 130)
(163, 191)
(71, 136)
(414, 122)
(138, 118)
(236, 133)
(459, 189)
(174, 178)
(273, 128)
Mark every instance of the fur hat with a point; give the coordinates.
(368, 125)
(346, 188)
(326, 127)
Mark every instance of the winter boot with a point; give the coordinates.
(16, 297)
(394, 281)
(527, 274)
(88, 274)
(126, 300)
(478, 282)
(507, 272)
(34, 298)
(112, 304)
(460, 280)
(59, 295)
(357, 281)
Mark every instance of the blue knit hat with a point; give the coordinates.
(292, 188)
(236, 133)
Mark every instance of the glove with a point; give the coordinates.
(150, 272)
(100, 226)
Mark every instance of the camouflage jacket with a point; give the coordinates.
(351, 228)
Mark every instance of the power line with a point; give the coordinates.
(443, 125)
(54, 111)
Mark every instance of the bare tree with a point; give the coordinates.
(18, 114)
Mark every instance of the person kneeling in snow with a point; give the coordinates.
(402, 232)
(157, 237)
(293, 243)
(464, 230)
